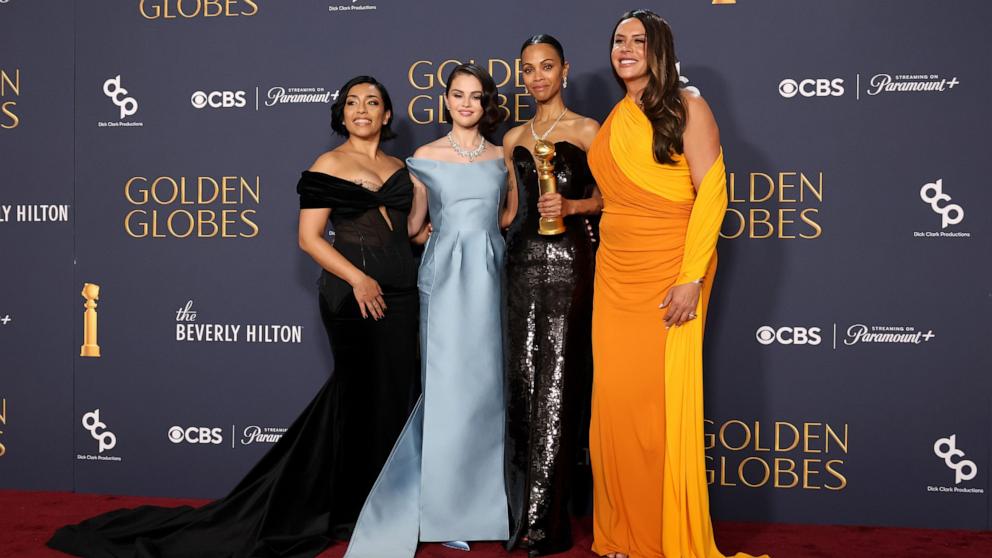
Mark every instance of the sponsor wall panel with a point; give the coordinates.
(847, 335)
(38, 300)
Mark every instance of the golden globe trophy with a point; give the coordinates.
(545, 152)
(91, 293)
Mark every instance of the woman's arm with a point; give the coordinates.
(701, 146)
(418, 211)
(555, 205)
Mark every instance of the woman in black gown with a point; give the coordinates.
(549, 308)
(308, 489)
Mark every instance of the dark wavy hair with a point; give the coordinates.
(662, 99)
(543, 39)
(337, 109)
(491, 115)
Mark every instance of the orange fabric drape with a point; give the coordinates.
(646, 436)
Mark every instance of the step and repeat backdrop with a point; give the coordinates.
(159, 327)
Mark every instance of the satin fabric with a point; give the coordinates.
(444, 478)
(646, 434)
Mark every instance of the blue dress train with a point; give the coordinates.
(444, 479)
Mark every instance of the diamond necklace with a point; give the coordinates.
(548, 131)
(462, 152)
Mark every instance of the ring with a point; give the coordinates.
(692, 315)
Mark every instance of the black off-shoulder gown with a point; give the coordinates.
(308, 489)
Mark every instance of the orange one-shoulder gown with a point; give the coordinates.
(646, 435)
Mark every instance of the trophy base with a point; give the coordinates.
(551, 231)
(89, 351)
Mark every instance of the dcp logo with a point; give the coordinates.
(112, 88)
(933, 194)
(218, 99)
(821, 87)
(789, 335)
(196, 435)
(97, 429)
(959, 467)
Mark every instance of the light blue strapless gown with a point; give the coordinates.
(444, 479)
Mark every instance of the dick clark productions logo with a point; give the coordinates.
(946, 449)
(98, 430)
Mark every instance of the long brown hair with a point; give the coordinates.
(662, 99)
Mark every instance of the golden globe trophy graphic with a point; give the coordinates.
(90, 348)
(545, 152)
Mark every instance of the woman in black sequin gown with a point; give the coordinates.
(309, 488)
(549, 309)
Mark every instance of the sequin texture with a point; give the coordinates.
(549, 308)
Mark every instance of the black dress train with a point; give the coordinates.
(549, 318)
(309, 488)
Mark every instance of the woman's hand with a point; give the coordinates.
(369, 297)
(421, 237)
(552, 205)
(681, 302)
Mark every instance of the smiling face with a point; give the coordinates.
(464, 100)
(543, 71)
(629, 54)
(364, 113)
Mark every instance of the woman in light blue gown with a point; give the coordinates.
(444, 480)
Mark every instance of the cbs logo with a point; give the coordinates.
(218, 99)
(766, 335)
(195, 435)
(822, 87)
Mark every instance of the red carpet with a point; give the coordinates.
(28, 518)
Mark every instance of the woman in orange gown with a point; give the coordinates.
(658, 162)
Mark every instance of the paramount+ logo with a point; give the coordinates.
(812, 87)
(190, 9)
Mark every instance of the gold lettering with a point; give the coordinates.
(723, 473)
(175, 189)
(250, 223)
(757, 438)
(723, 437)
(254, 8)
(791, 471)
(807, 473)
(440, 71)
(808, 436)
(143, 226)
(771, 187)
(782, 221)
(493, 62)
(783, 185)
(740, 219)
(6, 83)
(733, 190)
(710, 473)
(213, 183)
(172, 228)
(817, 191)
(518, 104)
(709, 440)
(833, 472)
(743, 477)
(428, 75)
(501, 98)
(778, 436)
(7, 108)
(765, 220)
(179, 8)
(155, 13)
(143, 191)
(205, 217)
(832, 434)
(809, 221)
(429, 111)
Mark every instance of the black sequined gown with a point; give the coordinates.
(549, 350)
